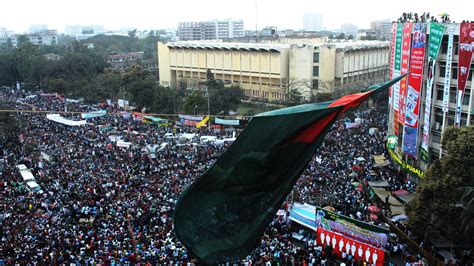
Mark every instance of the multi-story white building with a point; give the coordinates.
(349, 29)
(45, 37)
(34, 28)
(443, 91)
(269, 70)
(8, 37)
(312, 22)
(382, 28)
(210, 30)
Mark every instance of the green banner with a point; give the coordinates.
(334, 216)
(436, 36)
(405, 166)
(398, 47)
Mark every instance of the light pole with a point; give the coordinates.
(195, 107)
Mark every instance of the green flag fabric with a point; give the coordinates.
(222, 215)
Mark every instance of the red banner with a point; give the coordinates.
(343, 246)
(191, 123)
(413, 94)
(466, 46)
(406, 44)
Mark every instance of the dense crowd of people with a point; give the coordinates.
(107, 204)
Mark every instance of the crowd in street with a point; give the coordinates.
(108, 204)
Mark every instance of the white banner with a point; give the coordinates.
(396, 91)
(447, 76)
(231, 122)
(426, 119)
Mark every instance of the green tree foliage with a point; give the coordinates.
(9, 129)
(222, 99)
(195, 101)
(436, 205)
(225, 99)
(294, 97)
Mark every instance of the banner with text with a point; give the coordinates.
(406, 48)
(412, 111)
(436, 37)
(358, 250)
(466, 45)
(392, 59)
(397, 62)
(229, 122)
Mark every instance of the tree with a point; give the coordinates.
(8, 70)
(434, 207)
(211, 82)
(109, 84)
(294, 97)
(341, 36)
(9, 129)
(195, 102)
(225, 99)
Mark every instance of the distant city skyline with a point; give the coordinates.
(145, 15)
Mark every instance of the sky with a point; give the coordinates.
(17, 15)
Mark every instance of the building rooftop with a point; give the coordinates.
(359, 45)
(275, 47)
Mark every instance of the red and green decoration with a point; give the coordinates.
(222, 215)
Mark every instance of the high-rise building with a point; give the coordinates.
(313, 22)
(83, 31)
(349, 29)
(211, 30)
(382, 28)
(73, 30)
(34, 28)
(416, 141)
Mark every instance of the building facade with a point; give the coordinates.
(382, 28)
(210, 30)
(261, 70)
(349, 29)
(270, 70)
(44, 37)
(124, 60)
(312, 22)
(8, 37)
(437, 112)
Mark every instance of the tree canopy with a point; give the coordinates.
(438, 204)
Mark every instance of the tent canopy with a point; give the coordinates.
(381, 183)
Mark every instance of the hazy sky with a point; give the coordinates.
(17, 15)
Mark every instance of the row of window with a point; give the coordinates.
(264, 94)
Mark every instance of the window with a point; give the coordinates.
(439, 95)
(442, 71)
(316, 58)
(454, 73)
(315, 71)
(315, 84)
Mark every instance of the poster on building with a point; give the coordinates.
(343, 246)
(392, 59)
(434, 43)
(412, 100)
(466, 43)
(396, 72)
(406, 45)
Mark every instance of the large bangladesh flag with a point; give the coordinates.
(223, 214)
